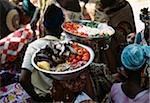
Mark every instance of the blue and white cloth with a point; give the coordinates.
(134, 56)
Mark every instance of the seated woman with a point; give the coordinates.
(135, 59)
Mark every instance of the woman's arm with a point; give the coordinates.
(35, 18)
(25, 81)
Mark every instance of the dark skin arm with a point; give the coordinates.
(25, 81)
(35, 18)
(34, 21)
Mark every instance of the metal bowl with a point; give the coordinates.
(80, 38)
(65, 75)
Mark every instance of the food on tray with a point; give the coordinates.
(44, 65)
(88, 29)
(62, 67)
(90, 24)
(54, 54)
(82, 54)
(59, 57)
(73, 28)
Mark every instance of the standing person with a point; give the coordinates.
(142, 37)
(135, 59)
(119, 15)
(28, 11)
(116, 11)
(40, 91)
(37, 85)
(122, 20)
(65, 5)
(12, 49)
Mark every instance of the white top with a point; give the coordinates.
(118, 95)
(82, 97)
(41, 83)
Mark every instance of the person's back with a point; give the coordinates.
(120, 97)
(135, 59)
(34, 82)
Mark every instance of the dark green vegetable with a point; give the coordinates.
(90, 24)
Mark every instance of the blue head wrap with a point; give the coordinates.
(134, 56)
(28, 7)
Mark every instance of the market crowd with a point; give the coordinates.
(120, 70)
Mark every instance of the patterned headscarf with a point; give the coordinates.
(134, 56)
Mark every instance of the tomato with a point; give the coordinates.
(80, 51)
(76, 49)
(72, 26)
(79, 57)
(74, 61)
(86, 56)
(84, 50)
(71, 58)
(83, 34)
(75, 45)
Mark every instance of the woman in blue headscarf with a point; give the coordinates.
(135, 59)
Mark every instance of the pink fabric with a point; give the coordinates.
(118, 95)
(11, 45)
